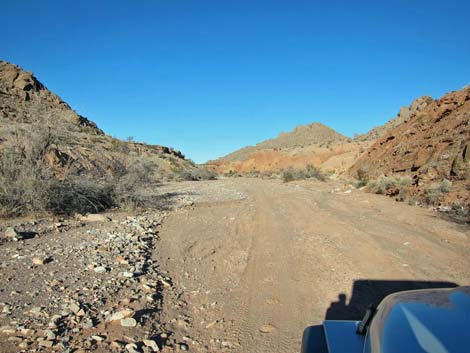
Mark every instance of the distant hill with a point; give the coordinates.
(302, 136)
(314, 144)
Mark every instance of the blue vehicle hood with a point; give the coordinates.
(423, 321)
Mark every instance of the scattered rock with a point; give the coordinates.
(38, 261)
(152, 344)
(211, 324)
(128, 322)
(98, 338)
(45, 343)
(74, 307)
(132, 348)
(99, 269)
(119, 315)
(11, 233)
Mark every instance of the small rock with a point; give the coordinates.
(132, 348)
(44, 343)
(119, 315)
(11, 233)
(152, 344)
(209, 325)
(98, 338)
(128, 322)
(23, 345)
(88, 324)
(165, 283)
(100, 269)
(74, 307)
(38, 261)
(117, 345)
(50, 335)
(6, 309)
(184, 346)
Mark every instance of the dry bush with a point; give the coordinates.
(363, 178)
(79, 194)
(25, 177)
(435, 191)
(196, 174)
(310, 172)
(391, 186)
(287, 176)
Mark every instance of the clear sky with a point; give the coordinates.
(210, 76)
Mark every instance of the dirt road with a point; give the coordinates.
(252, 273)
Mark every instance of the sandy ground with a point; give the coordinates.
(236, 265)
(255, 272)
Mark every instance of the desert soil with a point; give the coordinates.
(237, 265)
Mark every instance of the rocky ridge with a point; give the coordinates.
(403, 115)
(430, 146)
(27, 106)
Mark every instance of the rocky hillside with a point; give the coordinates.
(54, 160)
(431, 145)
(26, 105)
(314, 144)
(403, 115)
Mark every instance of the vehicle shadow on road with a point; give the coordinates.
(372, 292)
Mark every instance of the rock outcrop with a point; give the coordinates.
(403, 115)
(432, 144)
(27, 106)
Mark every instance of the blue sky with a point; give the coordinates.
(208, 77)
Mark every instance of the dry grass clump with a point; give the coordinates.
(434, 192)
(391, 186)
(400, 187)
(196, 174)
(31, 182)
(310, 172)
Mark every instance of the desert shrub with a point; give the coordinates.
(199, 173)
(310, 172)
(381, 185)
(461, 212)
(434, 192)
(392, 186)
(432, 195)
(287, 176)
(25, 178)
(314, 172)
(403, 188)
(29, 183)
(131, 182)
(78, 194)
(445, 186)
(363, 178)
